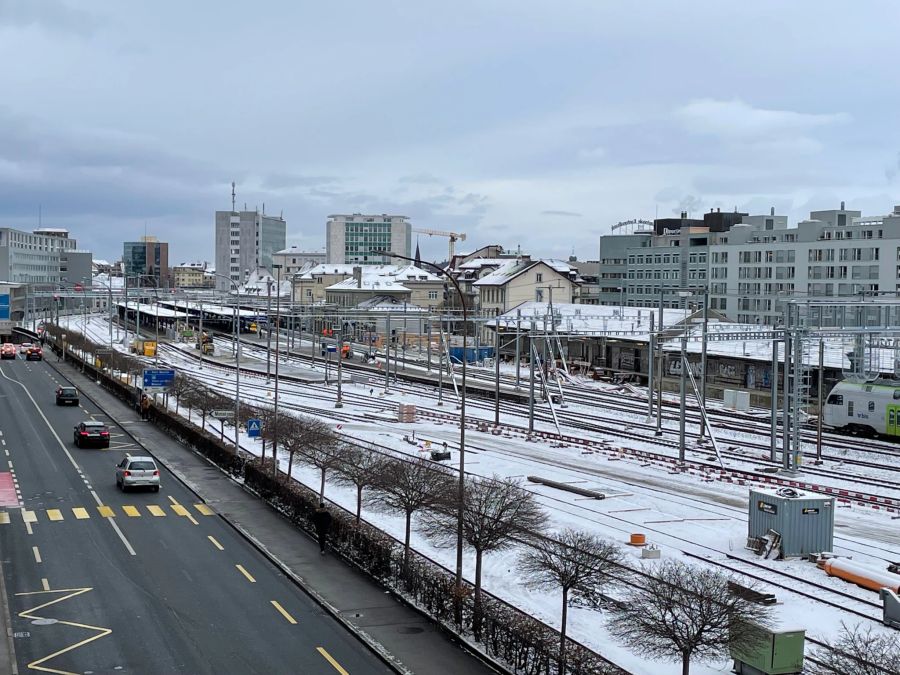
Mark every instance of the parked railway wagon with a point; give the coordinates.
(864, 407)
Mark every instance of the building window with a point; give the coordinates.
(539, 295)
(539, 277)
(432, 295)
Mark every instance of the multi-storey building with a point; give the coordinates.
(749, 265)
(245, 242)
(339, 283)
(355, 239)
(33, 257)
(294, 260)
(147, 261)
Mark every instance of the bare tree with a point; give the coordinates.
(180, 386)
(411, 486)
(359, 467)
(576, 562)
(325, 455)
(495, 511)
(683, 611)
(861, 651)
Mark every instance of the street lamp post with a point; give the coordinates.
(277, 269)
(269, 331)
(237, 385)
(462, 412)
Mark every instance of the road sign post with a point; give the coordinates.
(157, 381)
(254, 428)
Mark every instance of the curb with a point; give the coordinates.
(373, 645)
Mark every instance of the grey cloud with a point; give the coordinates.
(48, 14)
(559, 212)
(420, 179)
(288, 181)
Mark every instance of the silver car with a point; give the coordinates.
(137, 472)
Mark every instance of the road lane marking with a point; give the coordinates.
(283, 612)
(246, 574)
(29, 516)
(106, 512)
(80, 513)
(131, 511)
(28, 614)
(68, 454)
(156, 511)
(215, 543)
(115, 527)
(37, 555)
(4, 518)
(54, 514)
(328, 657)
(45, 584)
(204, 509)
(10, 464)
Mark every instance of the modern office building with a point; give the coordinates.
(354, 239)
(146, 262)
(33, 257)
(245, 242)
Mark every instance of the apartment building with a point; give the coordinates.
(294, 260)
(34, 257)
(245, 242)
(526, 280)
(347, 285)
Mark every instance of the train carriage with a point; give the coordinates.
(864, 407)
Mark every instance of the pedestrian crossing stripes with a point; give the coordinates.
(104, 511)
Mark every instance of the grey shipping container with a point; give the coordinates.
(804, 520)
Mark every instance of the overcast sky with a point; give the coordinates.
(526, 123)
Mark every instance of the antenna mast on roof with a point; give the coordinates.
(232, 196)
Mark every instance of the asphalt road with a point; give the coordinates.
(101, 581)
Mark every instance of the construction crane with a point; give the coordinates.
(453, 236)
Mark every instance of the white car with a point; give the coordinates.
(24, 347)
(137, 472)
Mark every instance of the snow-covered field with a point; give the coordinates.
(679, 513)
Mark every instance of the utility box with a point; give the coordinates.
(777, 652)
(802, 522)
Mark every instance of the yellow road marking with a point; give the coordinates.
(179, 510)
(131, 511)
(4, 518)
(106, 512)
(45, 584)
(283, 611)
(328, 657)
(215, 543)
(156, 510)
(80, 513)
(29, 516)
(71, 593)
(204, 509)
(246, 574)
(37, 554)
(54, 514)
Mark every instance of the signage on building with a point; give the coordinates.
(810, 511)
(766, 507)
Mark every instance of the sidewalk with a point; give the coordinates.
(398, 632)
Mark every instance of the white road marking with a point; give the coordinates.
(62, 445)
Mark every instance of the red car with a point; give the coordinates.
(7, 351)
(34, 353)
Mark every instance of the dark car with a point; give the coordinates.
(91, 432)
(66, 396)
(34, 353)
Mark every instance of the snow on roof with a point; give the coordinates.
(478, 263)
(504, 273)
(573, 319)
(388, 303)
(369, 283)
(101, 281)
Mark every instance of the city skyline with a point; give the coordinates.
(575, 120)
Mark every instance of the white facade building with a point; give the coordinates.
(246, 241)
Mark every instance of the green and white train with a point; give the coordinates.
(864, 407)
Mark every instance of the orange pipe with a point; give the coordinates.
(860, 575)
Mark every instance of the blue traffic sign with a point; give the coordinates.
(157, 380)
(254, 428)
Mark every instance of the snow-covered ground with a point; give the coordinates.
(679, 513)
